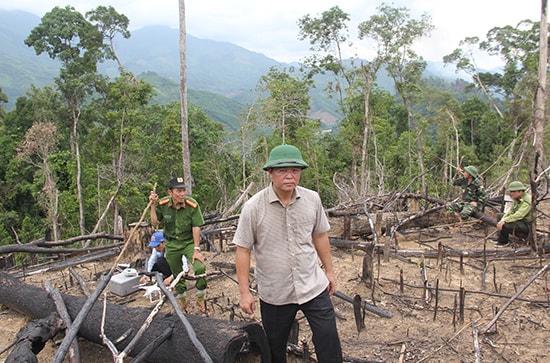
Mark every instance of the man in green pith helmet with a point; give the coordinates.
(473, 193)
(180, 218)
(518, 218)
(286, 227)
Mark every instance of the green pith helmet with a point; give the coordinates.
(516, 185)
(472, 170)
(285, 156)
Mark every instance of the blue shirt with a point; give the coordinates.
(155, 255)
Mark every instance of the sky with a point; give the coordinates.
(270, 27)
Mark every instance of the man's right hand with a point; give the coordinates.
(247, 303)
(153, 197)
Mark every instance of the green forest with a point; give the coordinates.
(82, 156)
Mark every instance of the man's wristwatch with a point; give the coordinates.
(197, 248)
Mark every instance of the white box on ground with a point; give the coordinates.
(124, 283)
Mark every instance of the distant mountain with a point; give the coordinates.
(221, 76)
(217, 67)
(19, 65)
(227, 71)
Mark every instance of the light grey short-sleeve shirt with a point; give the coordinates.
(287, 265)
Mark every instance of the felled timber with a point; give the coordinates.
(43, 246)
(347, 244)
(223, 340)
(352, 221)
(544, 248)
(60, 265)
(359, 224)
(490, 220)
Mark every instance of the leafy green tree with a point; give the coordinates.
(327, 35)
(111, 24)
(118, 114)
(398, 32)
(516, 87)
(65, 34)
(21, 182)
(285, 105)
(464, 59)
(519, 48)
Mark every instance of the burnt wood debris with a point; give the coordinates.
(352, 228)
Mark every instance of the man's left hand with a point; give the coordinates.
(197, 255)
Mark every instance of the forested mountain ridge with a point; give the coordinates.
(152, 53)
(221, 68)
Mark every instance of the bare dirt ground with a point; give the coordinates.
(424, 327)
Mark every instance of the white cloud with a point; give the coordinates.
(270, 27)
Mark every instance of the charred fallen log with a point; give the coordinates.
(43, 246)
(60, 265)
(32, 338)
(223, 340)
(359, 225)
(347, 226)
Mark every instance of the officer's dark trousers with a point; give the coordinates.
(277, 321)
(520, 227)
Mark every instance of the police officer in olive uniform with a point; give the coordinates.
(180, 218)
(473, 193)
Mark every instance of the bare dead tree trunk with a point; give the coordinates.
(186, 156)
(365, 170)
(540, 96)
(538, 174)
(76, 120)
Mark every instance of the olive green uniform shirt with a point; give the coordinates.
(177, 222)
(520, 210)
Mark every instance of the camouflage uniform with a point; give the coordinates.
(471, 192)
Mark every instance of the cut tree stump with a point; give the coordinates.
(223, 340)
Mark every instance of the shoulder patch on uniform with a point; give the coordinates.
(191, 203)
(164, 201)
